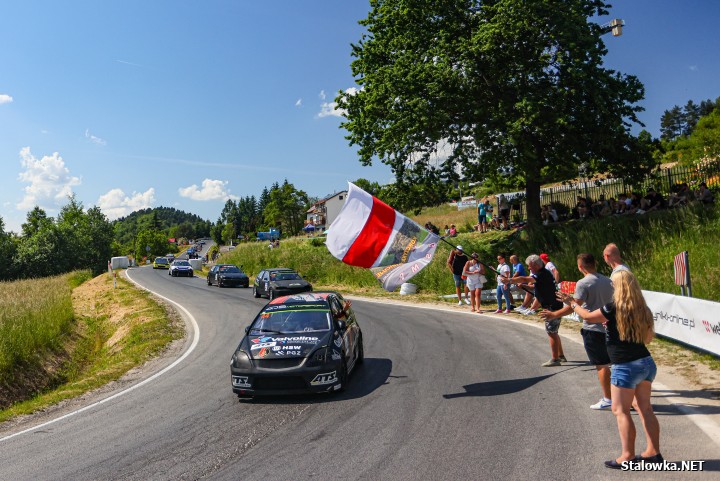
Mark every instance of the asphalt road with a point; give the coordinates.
(443, 395)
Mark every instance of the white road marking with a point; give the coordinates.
(196, 339)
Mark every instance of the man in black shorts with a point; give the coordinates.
(592, 292)
(545, 294)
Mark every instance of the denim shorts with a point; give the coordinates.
(459, 281)
(630, 374)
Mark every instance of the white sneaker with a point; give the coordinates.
(528, 312)
(519, 309)
(467, 301)
(602, 404)
(459, 303)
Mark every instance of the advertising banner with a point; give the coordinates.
(693, 321)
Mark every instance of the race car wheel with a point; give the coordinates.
(209, 283)
(271, 295)
(360, 352)
(219, 283)
(255, 292)
(342, 377)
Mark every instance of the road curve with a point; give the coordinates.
(443, 395)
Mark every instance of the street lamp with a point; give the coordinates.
(615, 26)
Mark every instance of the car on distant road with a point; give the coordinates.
(307, 342)
(227, 275)
(280, 281)
(170, 257)
(161, 263)
(181, 268)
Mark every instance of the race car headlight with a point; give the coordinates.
(319, 356)
(240, 360)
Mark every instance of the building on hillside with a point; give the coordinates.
(324, 212)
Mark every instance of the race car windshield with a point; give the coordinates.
(284, 276)
(161, 260)
(291, 321)
(225, 270)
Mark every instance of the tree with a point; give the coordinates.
(702, 144)
(671, 124)
(156, 240)
(691, 114)
(8, 249)
(287, 208)
(37, 219)
(469, 89)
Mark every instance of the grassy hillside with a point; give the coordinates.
(63, 336)
(649, 243)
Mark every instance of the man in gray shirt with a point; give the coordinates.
(592, 292)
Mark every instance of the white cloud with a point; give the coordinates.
(50, 181)
(330, 109)
(93, 139)
(211, 190)
(116, 204)
(694, 68)
(5, 99)
(298, 103)
(322, 95)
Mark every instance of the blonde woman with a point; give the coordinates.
(475, 273)
(629, 327)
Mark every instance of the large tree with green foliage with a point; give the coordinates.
(287, 208)
(475, 89)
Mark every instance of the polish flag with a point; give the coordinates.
(369, 233)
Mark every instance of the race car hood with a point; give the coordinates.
(293, 284)
(282, 346)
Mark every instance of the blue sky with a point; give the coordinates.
(139, 104)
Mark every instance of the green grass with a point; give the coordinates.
(118, 329)
(649, 243)
(35, 316)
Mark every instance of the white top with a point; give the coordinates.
(473, 273)
(504, 270)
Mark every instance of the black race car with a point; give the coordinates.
(227, 275)
(302, 343)
(281, 281)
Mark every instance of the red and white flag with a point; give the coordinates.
(369, 233)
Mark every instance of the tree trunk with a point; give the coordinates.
(532, 201)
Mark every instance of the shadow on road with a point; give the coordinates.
(499, 388)
(364, 379)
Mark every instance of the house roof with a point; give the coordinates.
(322, 201)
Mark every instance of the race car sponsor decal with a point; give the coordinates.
(285, 340)
(336, 355)
(338, 342)
(286, 348)
(262, 345)
(240, 381)
(263, 352)
(322, 379)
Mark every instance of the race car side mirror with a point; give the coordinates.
(342, 325)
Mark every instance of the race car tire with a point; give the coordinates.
(342, 377)
(360, 352)
(255, 292)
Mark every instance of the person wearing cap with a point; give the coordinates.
(456, 263)
(475, 273)
(551, 267)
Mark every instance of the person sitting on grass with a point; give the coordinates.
(705, 196)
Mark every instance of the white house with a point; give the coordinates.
(324, 211)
